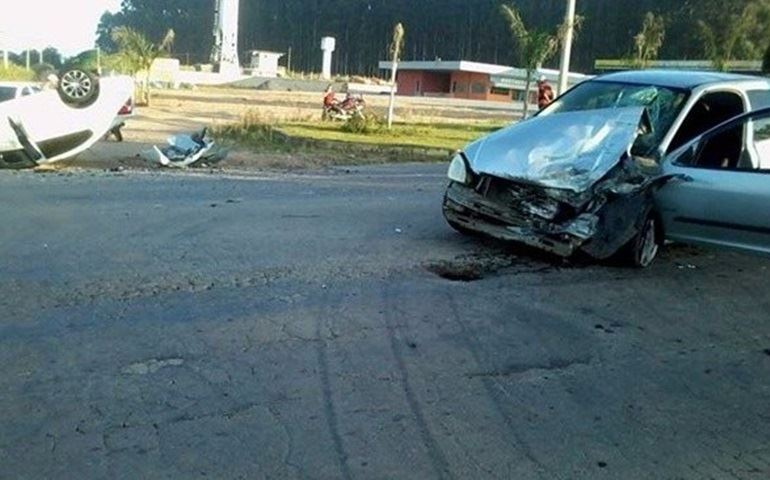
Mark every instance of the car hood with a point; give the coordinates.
(570, 151)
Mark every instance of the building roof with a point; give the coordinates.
(448, 66)
(502, 75)
(269, 52)
(674, 78)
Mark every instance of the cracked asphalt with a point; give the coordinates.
(315, 325)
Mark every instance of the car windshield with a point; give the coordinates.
(7, 93)
(663, 105)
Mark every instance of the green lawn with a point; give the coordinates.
(316, 144)
(447, 137)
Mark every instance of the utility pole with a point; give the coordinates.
(566, 49)
(27, 53)
(5, 49)
(288, 63)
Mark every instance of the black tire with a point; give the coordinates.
(642, 250)
(78, 88)
(118, 133)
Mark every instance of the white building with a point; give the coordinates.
(264, 63)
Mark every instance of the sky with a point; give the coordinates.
(68, 25)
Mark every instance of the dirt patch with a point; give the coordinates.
(477, 266)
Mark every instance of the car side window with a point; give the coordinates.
(759, 99)
(708, 112)
(761, 140)
(732, 149)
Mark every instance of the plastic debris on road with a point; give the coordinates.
(187, 150)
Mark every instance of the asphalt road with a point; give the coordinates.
(308, 326)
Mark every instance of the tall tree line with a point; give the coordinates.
(446, 29)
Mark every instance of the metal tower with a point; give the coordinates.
(225, 51)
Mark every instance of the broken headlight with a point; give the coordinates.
(458, 170)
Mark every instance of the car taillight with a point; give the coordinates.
(127, 108)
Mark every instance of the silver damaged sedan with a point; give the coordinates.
(623, 162)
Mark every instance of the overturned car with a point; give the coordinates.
(599, 170)
(61, 122)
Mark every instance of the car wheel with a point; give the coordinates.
(642, 250)
(78, 88)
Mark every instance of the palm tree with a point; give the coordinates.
(534, 46)
(136, 54)
(649, 40)
(395, 51)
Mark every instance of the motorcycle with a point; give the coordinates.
(345, 110)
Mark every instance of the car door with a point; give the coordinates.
(720, 192)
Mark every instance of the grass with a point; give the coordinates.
(448, 137)
(412, 141)
(16, 73)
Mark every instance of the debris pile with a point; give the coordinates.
(187, 150)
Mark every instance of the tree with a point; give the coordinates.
(534, 46)
(137, 53)
(395, 51)
(649, 40)
(731, 29)
(191, 20)
(53, 57)
(449, 29)
(766, 62)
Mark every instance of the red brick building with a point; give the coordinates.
(461, 79)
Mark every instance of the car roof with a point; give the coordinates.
(676, 78)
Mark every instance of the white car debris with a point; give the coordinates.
(193, 150)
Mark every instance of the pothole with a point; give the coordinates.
(470, 268)
(457, 272)
(477, 266)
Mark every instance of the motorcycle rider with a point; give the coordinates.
(330, 102)
(349, 102)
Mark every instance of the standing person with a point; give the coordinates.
(545, 94)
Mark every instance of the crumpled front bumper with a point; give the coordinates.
(469, 209)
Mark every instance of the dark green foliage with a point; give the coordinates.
(447, 29)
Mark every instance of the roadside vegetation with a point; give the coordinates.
(364, 136)
(15, 73)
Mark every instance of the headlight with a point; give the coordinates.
(458, 170)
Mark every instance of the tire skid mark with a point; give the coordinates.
(494, 391)
(330, 410)
(437, 457)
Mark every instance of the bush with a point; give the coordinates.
(253, 130)
(16, 73)
(363, 123)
